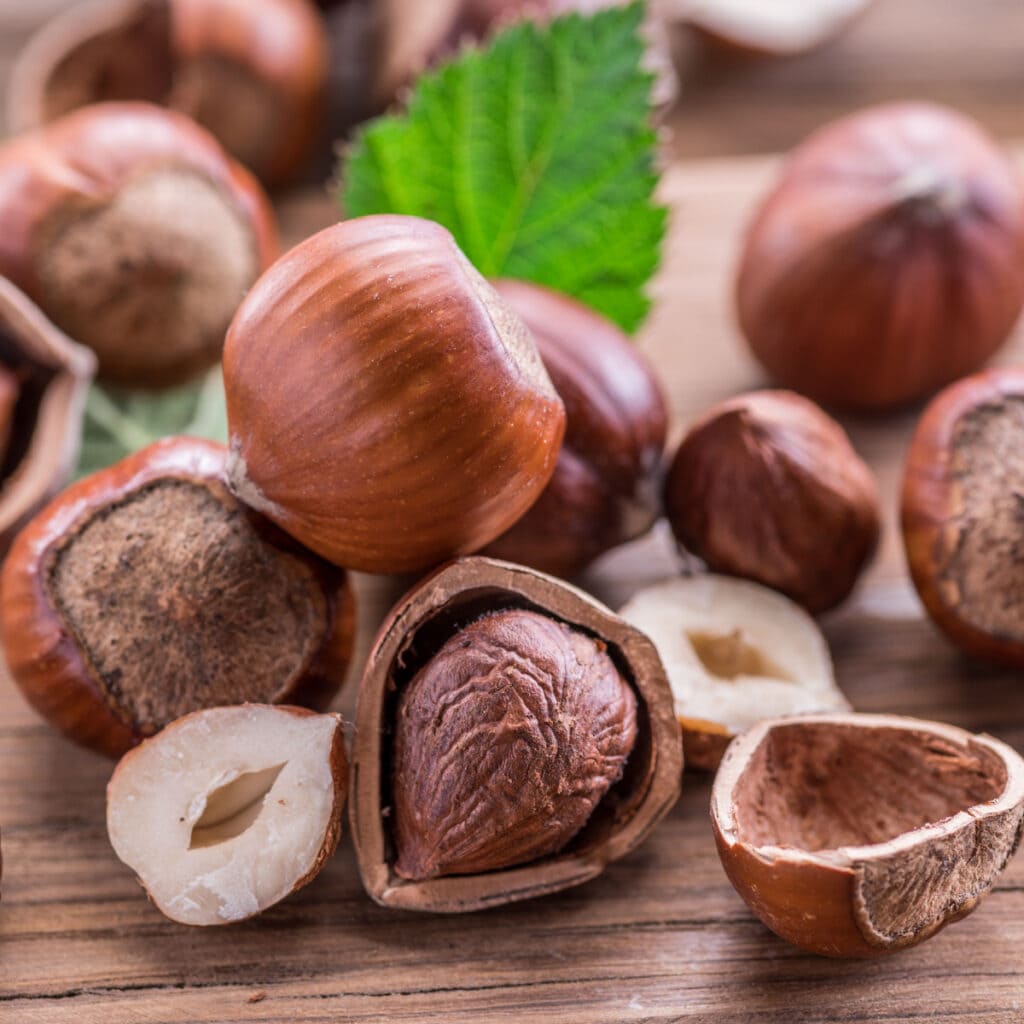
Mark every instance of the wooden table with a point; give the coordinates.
(661, 936)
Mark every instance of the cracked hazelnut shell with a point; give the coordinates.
(605, 488)
(385, 406)
(252, 73)
(844, 287)
(768, 487)
(962, 509)
(135, 234)
(146, 591)
(855, 835)
(47, 378)
(419, 626)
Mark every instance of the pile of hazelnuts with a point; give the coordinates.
(190, 609)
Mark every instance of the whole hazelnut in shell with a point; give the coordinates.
(147, 591)
(386, 407)
(768, 487)
(963, 513)
(136, 234)
(887, 261)
(605, 490)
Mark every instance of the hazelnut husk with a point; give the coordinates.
(887, 261)
(963, 514)
(147, 591)
(508, 650)
(44, 379)
(229, 810)
(385, 406)
(605, 490)
(253, 74)
(135, 234)
(768, 487)
(856, 835)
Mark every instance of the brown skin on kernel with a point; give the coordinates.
(9, 389)
(856, 835)
(505, 741)
(80, 663)
(768, 487)
(61, 184)
(254, 75)
(385, 406)
(605, 488)
(844, 289)
(419, 625)
(962, 514)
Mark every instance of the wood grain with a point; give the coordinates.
(661, 936)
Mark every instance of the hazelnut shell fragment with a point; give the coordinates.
(385, 406)
(768, 487)
(855, 835)
(963, 513)
(229, 810)
(844, 288)
(415, 630)
(45, 428)
(200, 602)
(605, 488)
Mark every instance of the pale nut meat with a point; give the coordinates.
(229, 810)
(856, 835)
(735, 653)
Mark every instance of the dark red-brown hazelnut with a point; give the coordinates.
(768, 487)
(606, 486)
(147, 591)
(513, 737)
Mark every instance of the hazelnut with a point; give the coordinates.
(44, 377)
(963, 514)
(146, 591)
(844, 284)
(735, 653)
(855, 835)
(385, 406)
(605, 488)
(135, 234)
(229, 810)
(768, 487)
(252, 74)
(567, 754)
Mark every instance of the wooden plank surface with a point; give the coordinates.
(661, 936)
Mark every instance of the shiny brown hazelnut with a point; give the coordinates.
(888, 260)
(251, 73)
(855, 835)
(768, 487)
(135, 234)
(229, 810)
(606, 486)
(513, 737)
(963, 512)
(146, 591)
(385, 406)
(44, 378)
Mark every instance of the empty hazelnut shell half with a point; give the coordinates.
(605, 488)
(855, 835)
(735, 653)
(768, 487)
(505, 650)
(963, 509)
(386, 407)
(252, 73)
(229, 810)
(844, 287)
(45, 380)
(135, 234)
(146, 591)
